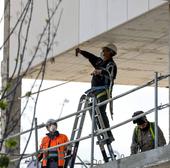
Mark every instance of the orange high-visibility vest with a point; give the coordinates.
(47, 142)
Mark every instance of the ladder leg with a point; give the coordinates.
(67, 158)
(104, 119)
(105, 139)
(96, 127)
(104, 155)
(73, 158)
(111, 152)
(76, 133)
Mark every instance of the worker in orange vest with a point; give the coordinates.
(53, 158)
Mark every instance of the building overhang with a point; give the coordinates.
(143, 49)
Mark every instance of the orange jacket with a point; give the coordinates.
(47, 142)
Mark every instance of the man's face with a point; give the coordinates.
(52, 128)
(143, 126)
(106, 54)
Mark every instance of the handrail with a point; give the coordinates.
(96, 133)
(89, 108)
(140, 87)
(43, 125)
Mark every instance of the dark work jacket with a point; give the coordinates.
(143, 140)
(109, 70)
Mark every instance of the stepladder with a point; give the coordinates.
(104, 139)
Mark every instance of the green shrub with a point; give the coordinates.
(11, 143)
(4, 161)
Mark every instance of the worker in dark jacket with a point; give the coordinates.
(144, 136)
(103, 77)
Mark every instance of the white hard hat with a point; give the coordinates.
(50, 121)
(111, 47)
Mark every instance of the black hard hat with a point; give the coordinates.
(140, 120)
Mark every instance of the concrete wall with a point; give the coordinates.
(80, 20)
(157, 158)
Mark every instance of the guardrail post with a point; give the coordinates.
(36, 142)
(156, 110)
(92, 131)
(169, 68)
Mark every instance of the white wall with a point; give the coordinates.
(136, 8)
(117, 12)
(98, 16)
(93, 14)
(1, 30)
(81, 20)
(154, 3)
(67, 33)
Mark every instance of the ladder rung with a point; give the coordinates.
(100, 130)
(83, 101)
(79, 115)
(68, 156)
(76, 129)
(102, 141)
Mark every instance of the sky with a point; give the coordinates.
(52, 103)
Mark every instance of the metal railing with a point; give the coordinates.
(95, 133)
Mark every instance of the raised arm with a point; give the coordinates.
(93, 59)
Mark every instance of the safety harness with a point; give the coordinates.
(108, 89)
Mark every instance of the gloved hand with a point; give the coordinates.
(96, 72)
(77, 50)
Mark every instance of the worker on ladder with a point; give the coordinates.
(103, 78)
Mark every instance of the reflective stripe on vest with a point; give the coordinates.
(60, 159)
(52, 153)
(152, 133)
(150, 129)
(103, 93)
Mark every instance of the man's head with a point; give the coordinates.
(142, 122)
(109, 51)
(51, 125)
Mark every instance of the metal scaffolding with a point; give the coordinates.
(95, 133)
